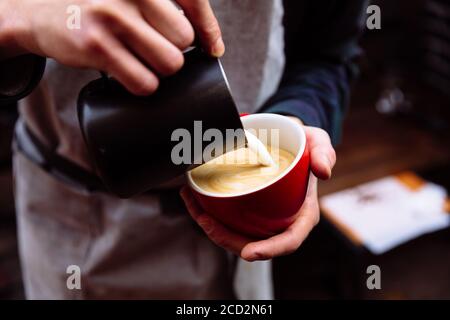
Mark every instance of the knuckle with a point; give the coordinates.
(185, 36)
(211, 29)
(291, 248)
(98, 8)
(316, 219)
(293, 243)
(259, 255)
(220, 241)
(142, 87)
(93, 40)
(104, 12)
(173, 62)
(205, 225)
(147, 87)
(188, 4)
(321, 132)
(332, 155)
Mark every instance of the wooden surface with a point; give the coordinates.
(376, 145)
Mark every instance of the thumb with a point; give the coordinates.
(322, 154)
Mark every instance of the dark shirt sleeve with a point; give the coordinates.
(19, 76)
(321, 47)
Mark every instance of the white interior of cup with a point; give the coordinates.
(291, 138)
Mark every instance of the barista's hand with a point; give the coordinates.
(120, 37)
(323, 159)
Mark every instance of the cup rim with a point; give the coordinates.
(300, 131)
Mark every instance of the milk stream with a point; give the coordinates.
(255, 145)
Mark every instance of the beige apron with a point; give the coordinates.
(147, 246)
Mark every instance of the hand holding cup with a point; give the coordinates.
(322, 159)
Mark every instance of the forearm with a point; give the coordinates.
(321, 44)
(315, 92)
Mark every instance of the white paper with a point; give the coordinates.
(385, 213)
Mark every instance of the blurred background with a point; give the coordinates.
(398, 122)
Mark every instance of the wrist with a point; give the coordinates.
(308, 113)
(12, 29)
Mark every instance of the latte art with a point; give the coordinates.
(237, 172)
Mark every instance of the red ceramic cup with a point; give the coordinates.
(270, 208)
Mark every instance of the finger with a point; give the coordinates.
(160, 54)
(200, 14)
(291, 239)
(322, 154)
(216, 232)
(165, 17)
(128, 70)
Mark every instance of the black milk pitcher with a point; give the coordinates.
(130, 138)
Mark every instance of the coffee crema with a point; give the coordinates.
(238, 172)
